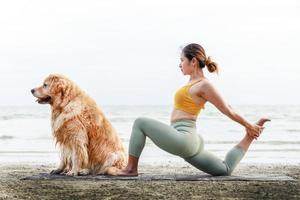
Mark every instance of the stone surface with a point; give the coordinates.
(160, 177)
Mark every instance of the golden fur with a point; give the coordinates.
(88, 142)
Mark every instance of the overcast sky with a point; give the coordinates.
(127, 52)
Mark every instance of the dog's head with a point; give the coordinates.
(57, 90)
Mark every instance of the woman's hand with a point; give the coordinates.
(254, 130)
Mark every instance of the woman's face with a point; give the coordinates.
(185, 65)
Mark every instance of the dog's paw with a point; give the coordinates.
(84, 172)
(72, 173)
(56, 171)
(65, 171)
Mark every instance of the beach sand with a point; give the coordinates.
(11, 187)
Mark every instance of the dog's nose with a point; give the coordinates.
(32, 91)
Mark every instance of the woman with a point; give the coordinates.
(181, 138)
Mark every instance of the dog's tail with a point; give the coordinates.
(121, 160)
(111, 171)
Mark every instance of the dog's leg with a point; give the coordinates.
(79, 159)
(84, 172)
(63, 163)
(68, 162)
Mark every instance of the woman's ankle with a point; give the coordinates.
(132, 163)
(245, 142)
(131, 168)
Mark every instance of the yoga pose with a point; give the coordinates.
(181, 138)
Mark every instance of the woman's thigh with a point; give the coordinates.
(182, 140)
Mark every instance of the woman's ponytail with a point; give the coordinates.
(211, 66)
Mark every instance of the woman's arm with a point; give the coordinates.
(210, 93)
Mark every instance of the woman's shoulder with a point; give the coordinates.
(204, 82)
(204, 86)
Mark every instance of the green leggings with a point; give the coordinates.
(181, 139)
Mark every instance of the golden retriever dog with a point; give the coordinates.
(88, 142)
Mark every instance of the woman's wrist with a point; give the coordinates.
(247, 125)
(240, 119)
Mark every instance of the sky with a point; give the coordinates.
(127, 52)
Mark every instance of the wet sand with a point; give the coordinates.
(11, 187)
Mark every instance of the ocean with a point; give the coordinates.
(25, 133)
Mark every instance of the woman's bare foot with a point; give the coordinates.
(260, 124)
(247, 140)
(131, 169)
(261, 121)
(127, 172)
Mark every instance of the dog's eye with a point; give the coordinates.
(45, 85)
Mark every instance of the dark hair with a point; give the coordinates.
(196, 51)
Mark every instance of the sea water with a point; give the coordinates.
(26, 137)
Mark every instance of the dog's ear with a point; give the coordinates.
(60, 89)
(66, 89)
(53, 78)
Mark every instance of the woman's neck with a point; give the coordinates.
(197, 75)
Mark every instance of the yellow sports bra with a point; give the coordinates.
(183, 100)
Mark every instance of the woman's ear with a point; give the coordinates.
(194, 61)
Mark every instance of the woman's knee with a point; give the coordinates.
(222, 173)
(226, 171)
(217, 172)
(140, 121)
